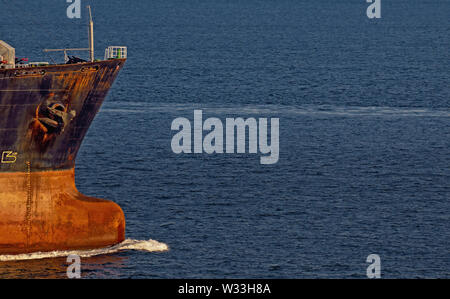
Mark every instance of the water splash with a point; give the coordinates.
(128, 244)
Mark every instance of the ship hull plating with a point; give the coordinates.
(45, 113)
(43, 211)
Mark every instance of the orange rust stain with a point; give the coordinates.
(38, 133)
(43, 211)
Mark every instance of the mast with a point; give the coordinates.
(91, 35)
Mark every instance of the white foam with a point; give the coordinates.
(128, 244)
(270, 109)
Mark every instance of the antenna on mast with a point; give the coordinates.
(91, 35)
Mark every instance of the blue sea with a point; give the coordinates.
(364, 112)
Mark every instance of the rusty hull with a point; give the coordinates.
(45, 113)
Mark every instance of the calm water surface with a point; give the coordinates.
(364, 135)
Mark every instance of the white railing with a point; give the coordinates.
(114, 52)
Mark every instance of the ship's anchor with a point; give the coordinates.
(53, 116)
